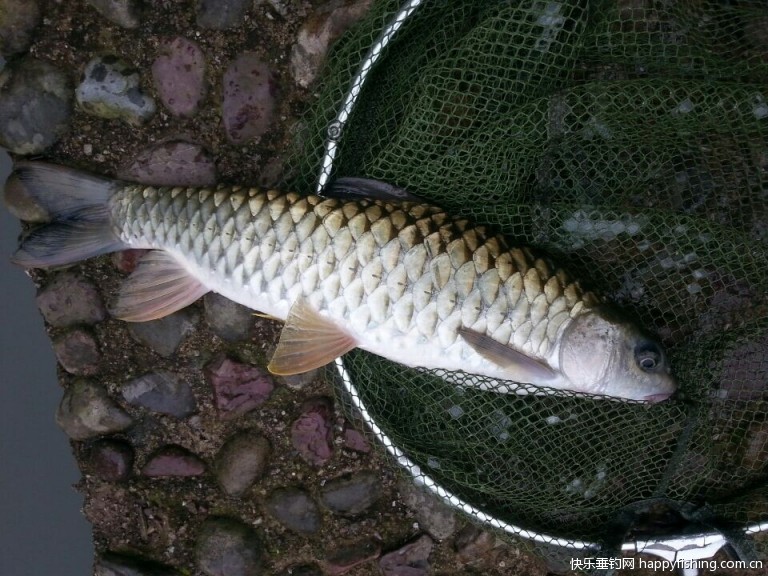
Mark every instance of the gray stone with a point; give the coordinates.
(110, 88)
(227, 547)
(302, 570)
(238, 388)
(173, 460)
(179, 76)
(346, 556)
(112, 564)
(475, 547)
(317, 34)
(87, 411)
(172, 163)
(300, 381)
(164, 336)
(77, 352)
(228, 320)
(162, 392)
(111, 460)
(433, 516)
(35, 106)
(294, 509)
(410, 560)
(68, 300)
(221, 14)
(241, 461)
(312, 431)
(352, 494)
(354, 440)
(124, 13)
(18, 19)
(249, 98)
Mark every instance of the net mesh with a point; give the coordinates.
(629, 139)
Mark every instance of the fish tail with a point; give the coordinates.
(72, 211)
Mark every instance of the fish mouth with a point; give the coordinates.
(656, 398)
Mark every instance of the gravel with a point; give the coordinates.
(277, 447)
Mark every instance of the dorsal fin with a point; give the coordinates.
(350, 188)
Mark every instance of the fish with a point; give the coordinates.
(367, 265)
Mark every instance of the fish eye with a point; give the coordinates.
(648, 356)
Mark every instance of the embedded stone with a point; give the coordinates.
(344, 557)
(112, 564)
(87, 411)
(221, 14)
(172, 163)
(228, 320)
(70, 300)
(227, 547)
(173, 460)
(433, 515)
(77, 352)
(18, 19)
(179, 75)
(410, 560)
(294, 509)
(110, 88)
(353, 494)
(124, 13)
(241, 461)
(317, 35)
(164, 336)
(162, 392)
(238, 388)
(312, 431)
(249, 98)
(111, 460)
(35, 106)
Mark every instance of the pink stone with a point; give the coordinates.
(179, 76)
(312, 432)
(249, 98)
(238, 388)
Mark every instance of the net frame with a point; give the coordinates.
(698, 544)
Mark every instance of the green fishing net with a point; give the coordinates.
(629, 139)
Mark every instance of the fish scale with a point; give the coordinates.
(387, 270)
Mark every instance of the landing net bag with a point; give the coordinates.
(629, 140)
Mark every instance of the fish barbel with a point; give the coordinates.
(370, 268)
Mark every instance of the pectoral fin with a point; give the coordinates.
(159, 286)
(308, 340)
(521, 367)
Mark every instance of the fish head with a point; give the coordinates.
(603, 353)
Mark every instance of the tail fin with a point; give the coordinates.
(75, 208)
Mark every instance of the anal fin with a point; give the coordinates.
(159, 286)
(308, 340)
